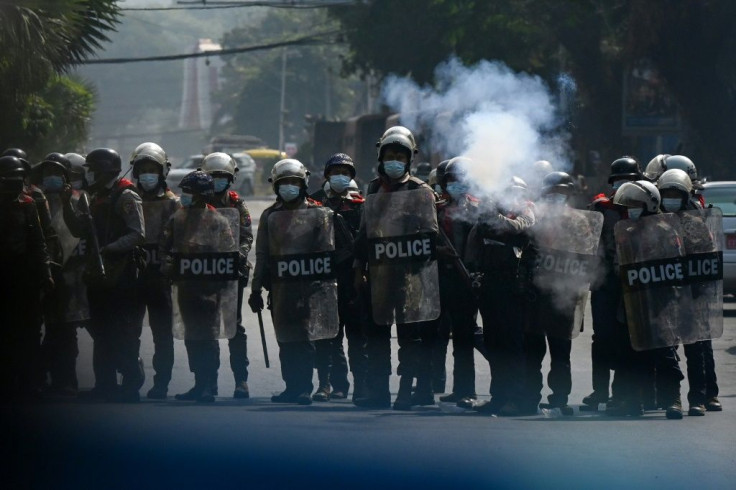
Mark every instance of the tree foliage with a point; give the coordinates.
(691, 42)
(40, 40)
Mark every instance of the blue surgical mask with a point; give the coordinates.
(635, 213)
(148, 181)
(53, 183)
(289, 192)
(671, 205)
(394, 169)
(221, 183)
(457, 190)
(185, 199)
(339, 183)
(90, 177)
(77, 184)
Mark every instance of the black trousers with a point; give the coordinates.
(204, 361)
(502, 309)
(460, 310)
(116, 334)
(59, 348)
(297, 366)
(238, 345)
(330, 361)
(559, 378)
(604, 303)
(154, 295)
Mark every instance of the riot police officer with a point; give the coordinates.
(397, 202)
(196, 229)
(26, 269)
(457, 294)
(641, 198)
(332, 367)
(150, 166)
(117, 226)
(605, 298)
(303, 299)
(223, 169)
(61, 312)
(500, 238)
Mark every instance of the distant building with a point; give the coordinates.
(201, 80)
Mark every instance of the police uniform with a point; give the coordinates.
(498, 243)
(458, 302)
(25, 264)
(330, 361)
(119, 226)
(154, 292)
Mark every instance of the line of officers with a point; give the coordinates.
(481, 260)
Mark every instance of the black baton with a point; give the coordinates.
(263, 339)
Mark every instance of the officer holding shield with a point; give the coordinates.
(395, 260)
(296, 261)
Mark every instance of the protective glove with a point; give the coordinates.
(255, 301)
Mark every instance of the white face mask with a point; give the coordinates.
(671, 205)
(635, 213)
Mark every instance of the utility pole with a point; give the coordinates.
(282, 109)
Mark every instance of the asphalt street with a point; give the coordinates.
(256, 444)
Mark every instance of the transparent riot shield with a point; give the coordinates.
(67, 241)
(566, 243)
(702, 232)
(303, 278)
(155, 214)
(205, 273)
(75, 294)
(654, 280)
(402, 229)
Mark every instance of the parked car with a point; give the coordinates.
(723, 195)
(244, 179)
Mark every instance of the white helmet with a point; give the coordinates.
(220, 162)
(683, 163)
(288, 167)
(542, 168)
(398, 135)
(675, 179)
(638, 194)
(150, 152)
(75, 159)
(656, 167)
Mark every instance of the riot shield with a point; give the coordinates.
(653, 276)
(66, 239)
(566, 242)
(303, 278)
(703, 239)
(155, 214)
(402, 229)
(75, 294)
(205, 273)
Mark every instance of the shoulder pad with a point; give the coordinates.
(125, 184)
(357, 199)
(234, 197)
(472, 200)
(25, 199)
(313, 203)
(210, 207)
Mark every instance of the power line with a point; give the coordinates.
(300, 41)
(221, 5)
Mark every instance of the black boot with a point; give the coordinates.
(404, 398)
(674, 409)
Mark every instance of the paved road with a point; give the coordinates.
(255, 444)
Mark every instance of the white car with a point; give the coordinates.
(723, 195)
(243, 179)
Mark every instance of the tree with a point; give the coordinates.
(40, 41)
